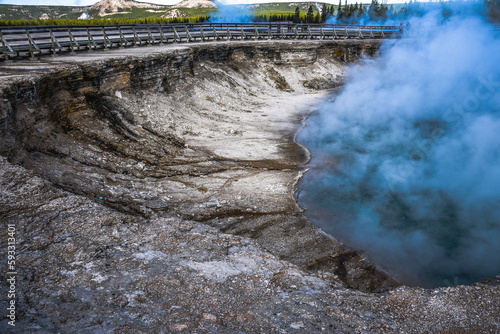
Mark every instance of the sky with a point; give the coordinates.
(161, 2)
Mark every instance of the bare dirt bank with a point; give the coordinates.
(155, 191)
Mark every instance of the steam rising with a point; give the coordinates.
(231, 13)
(406, 159)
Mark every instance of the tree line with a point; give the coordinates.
(100, 22)
(298, 17)
(379, 12)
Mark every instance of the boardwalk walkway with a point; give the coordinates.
(36, 41)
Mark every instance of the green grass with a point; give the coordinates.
(198, 11)
(281, 8)
(15, 12)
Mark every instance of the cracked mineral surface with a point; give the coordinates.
(152, 191)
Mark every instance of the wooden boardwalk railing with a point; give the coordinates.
(34, 41)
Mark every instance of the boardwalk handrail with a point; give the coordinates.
(33, 41)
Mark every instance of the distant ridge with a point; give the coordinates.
(130, 9)
(111, 7)
(195, 4)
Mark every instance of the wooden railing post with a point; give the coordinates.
(54, 43)
(201, 33)
(136, 38)
(151, 38)
(106, 39)
(176, 35)
(243, 36)
(215, 32)
(123, 40)
(31, 45)
(162, 36)
(91, 41)
(6, 48)
(72, 42)
(189, 38)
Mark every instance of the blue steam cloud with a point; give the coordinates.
(406, 159)
(231, 13)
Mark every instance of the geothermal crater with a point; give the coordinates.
(152, 190)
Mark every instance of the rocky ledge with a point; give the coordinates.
(152, 190)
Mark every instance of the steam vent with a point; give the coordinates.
(153, 190)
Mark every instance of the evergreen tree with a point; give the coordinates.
(324, 12)
(493, 7)
(296, 17)
(310, 14)
(377, 11)
(361, 11)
